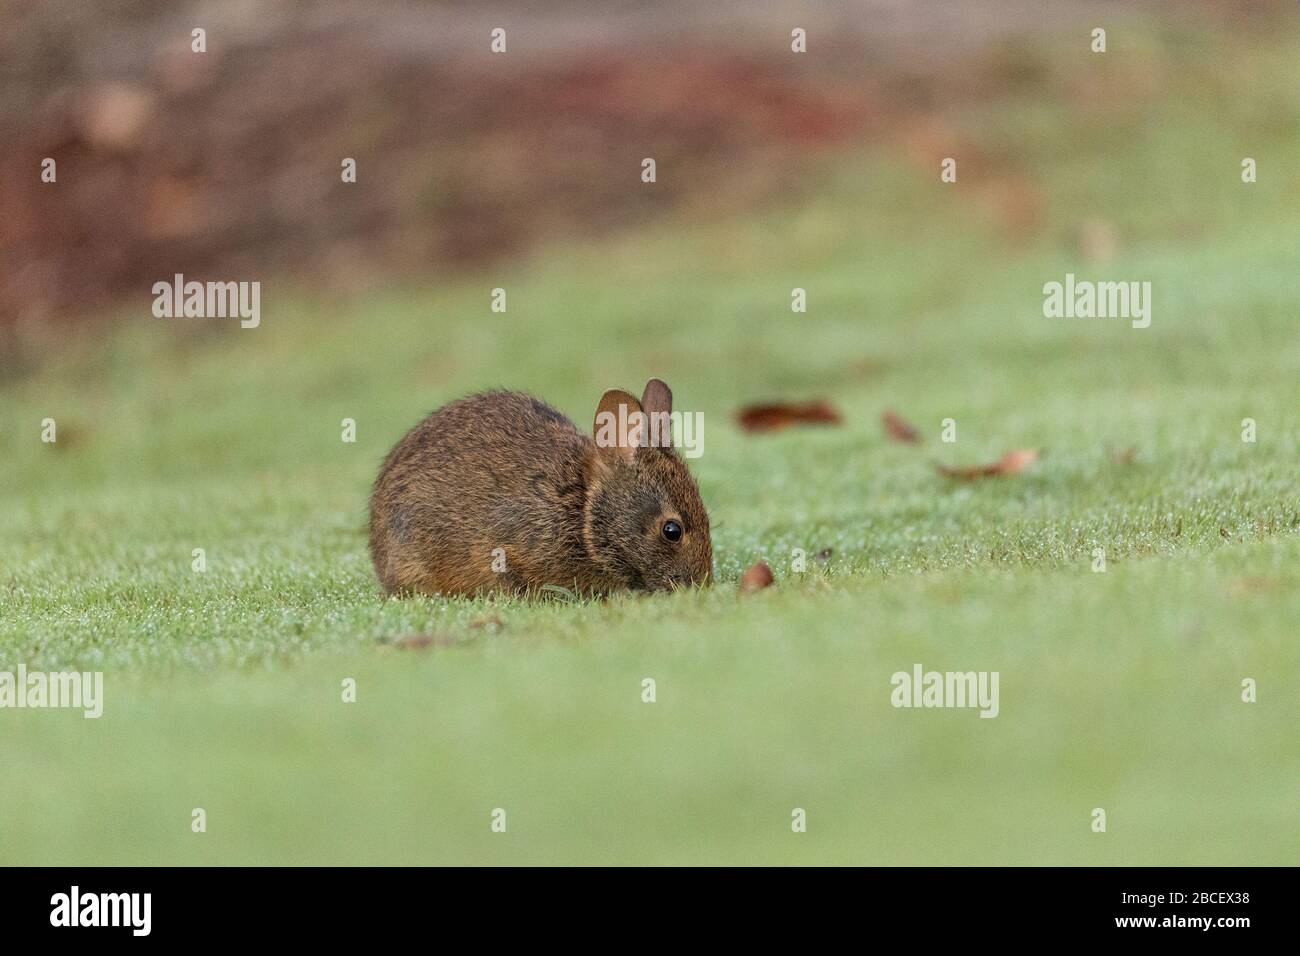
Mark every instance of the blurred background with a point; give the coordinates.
(227, 163)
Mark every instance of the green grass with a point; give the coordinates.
(1118, 690)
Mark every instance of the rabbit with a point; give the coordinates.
(501, 492)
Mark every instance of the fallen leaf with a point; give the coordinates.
(898, 428)
(777, 415)
(490, 622)
(756, 578)
(1012, 463)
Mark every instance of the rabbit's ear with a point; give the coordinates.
(619, 428)
(657, 403)
(657, 397)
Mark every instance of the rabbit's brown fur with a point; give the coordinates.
(503, 470)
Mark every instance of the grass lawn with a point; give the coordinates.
(1119, 690)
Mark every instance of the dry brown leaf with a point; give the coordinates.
(898, 428)
(1012, 463)
(756, 578)
(777, 415)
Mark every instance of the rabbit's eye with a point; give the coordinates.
(672, 531)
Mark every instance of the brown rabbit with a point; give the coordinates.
(499, 491)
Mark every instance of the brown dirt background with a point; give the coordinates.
(227, 164)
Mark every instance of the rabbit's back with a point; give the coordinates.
(485, 493)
